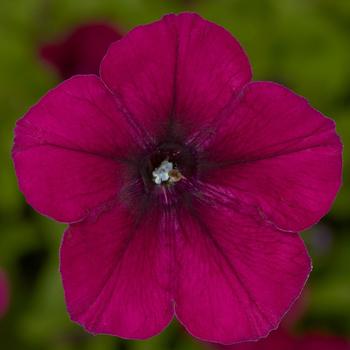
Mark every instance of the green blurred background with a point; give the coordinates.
(303, 44)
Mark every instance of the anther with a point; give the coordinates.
(166, 173)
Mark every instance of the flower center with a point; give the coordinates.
(166, 173)
(166, 164)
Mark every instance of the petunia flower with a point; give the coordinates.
(184, 183)
(4, 293)
(81, 50)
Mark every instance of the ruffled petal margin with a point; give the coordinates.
(237, 275)
(277, 153)
(177, 74)
(227, 277)
(116, 274)
(69, 149)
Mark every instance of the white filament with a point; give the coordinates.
(161, 174)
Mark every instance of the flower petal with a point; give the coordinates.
(238, 276)
(115, 273)
(180, 70)
(69, 149)
(4, 293)
(276, 340)
(280, 154)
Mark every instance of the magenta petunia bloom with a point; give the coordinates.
(4, 293)
(81, 51)
(184, 184)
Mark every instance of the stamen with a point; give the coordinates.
(166, 173)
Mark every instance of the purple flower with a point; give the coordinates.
(4, 293)
(81, 51)
(184, 184)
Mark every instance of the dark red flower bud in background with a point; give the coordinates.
(81, 50)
